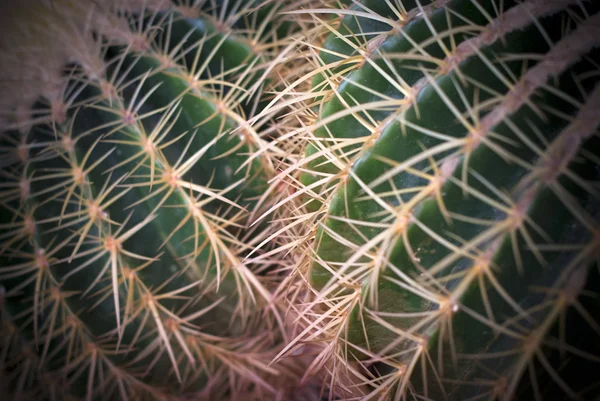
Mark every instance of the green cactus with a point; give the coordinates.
(225, 199)
(446, 203)
(126, 196)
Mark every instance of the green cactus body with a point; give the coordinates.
(128, 281)
(423, 176)
(455, 168)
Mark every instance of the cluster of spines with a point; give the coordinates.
(109, 305)
(364, 191)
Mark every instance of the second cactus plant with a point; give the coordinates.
(445, 198)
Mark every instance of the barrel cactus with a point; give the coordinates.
(442, 199)
(127, 193)
(224, 199)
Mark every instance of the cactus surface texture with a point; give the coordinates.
(300, 200)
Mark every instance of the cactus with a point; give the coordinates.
(127, 191)
(226, 199)
(443, 202)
